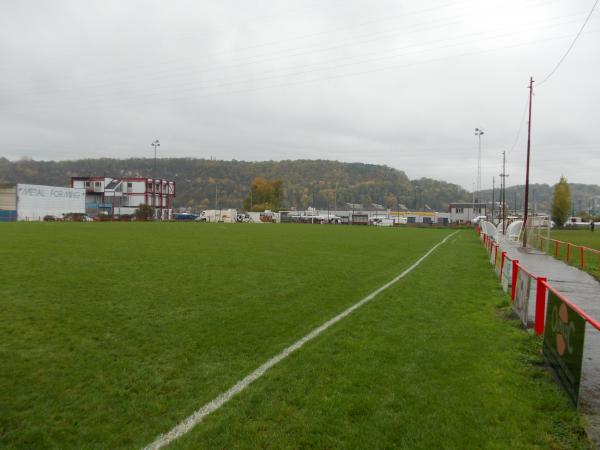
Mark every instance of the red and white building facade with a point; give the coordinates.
(119, 196)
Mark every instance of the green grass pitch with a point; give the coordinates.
(579, 237)
(583, 237)
(112, 333)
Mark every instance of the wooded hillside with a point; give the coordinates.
(305, 182)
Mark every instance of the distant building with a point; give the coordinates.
(34, 202)
(119, 196)
(466, 212)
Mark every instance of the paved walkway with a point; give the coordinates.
(584, 290)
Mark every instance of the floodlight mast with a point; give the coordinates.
(155, 144)
(478, 132)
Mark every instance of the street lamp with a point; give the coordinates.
(478, 132)
(155, 144)
(472, 204)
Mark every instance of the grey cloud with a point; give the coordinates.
(402, 84)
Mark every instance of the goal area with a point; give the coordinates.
(537, 231)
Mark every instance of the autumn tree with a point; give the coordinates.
(561, 202)
(144, 212)
(264, 194)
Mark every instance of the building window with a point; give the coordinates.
(97, 185)
(88, 184)
(459, 210)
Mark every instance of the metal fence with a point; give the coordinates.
(540, 306)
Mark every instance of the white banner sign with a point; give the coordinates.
(34, 201)
(506, 274)
(521, 303)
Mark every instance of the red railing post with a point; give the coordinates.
(568, 252)
(502, 265)
(515, 274)
(581, 262)
(495, 250)
(540, 305)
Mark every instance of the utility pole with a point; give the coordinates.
(416, 198)
(493, 196)
(216, 196)
(526, 202)
(335, 198)
(503, 175)
(398, 206)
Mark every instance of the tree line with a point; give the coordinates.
(207, 184)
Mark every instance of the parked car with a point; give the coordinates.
(185, 216)
(383, 222)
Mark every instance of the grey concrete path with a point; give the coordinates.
(583, 290)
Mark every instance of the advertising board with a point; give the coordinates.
(35, 201)
(563, 344)
(521, 303)
(506, 275)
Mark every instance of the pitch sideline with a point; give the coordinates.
(194, 419)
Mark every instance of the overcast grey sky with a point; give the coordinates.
(402, 83)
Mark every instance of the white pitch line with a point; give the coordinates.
(197, 417)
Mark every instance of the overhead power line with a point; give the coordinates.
(237, 85)
(587, 19)
(520, 128)
(164, 71)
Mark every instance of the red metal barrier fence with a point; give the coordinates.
(542, 284)
(569, 252)
(556, 317)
